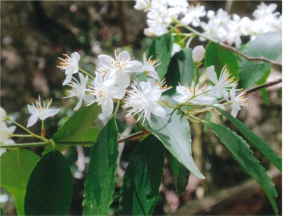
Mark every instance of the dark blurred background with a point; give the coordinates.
(35, 33)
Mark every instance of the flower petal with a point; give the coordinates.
(32, 109)
(134, 66)
(107, 109)
(79, 103)
(106, 60)
(124, 56)
(158, 110)
(76, 56)
(123, 79)
(68, 78)
(32, 120)
(211, 74)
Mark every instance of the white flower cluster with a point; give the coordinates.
(220, 26)
(112, 81)
(224, 86)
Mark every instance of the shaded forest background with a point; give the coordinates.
(34, 34)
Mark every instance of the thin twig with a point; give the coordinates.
(134, 136)
(261, 58)
(231, 48)
(256, 88)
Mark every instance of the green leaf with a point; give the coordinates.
(101, 177)
(242, 153)
(78, 124)
(173, 131)
(160, 49)
(181, 69)
(218, 56)
(142, 178)
(90, 135)
(263, 91)
(16, 167)
(49, 189)
(268, 45)
(180, 172)
(254, 139)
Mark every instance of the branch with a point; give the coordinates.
(265, 85)
(230, 48)
(256, 88)
(250, 58)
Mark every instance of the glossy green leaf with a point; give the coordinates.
(180, 70)
(161, 49)
(218, 56)
(250, 136)
(49, 189)
(78, 124)
(89, 136)
(16, 167)
(180, 172)
(101, 173)
(142, 178)
(268, 45)
(173, 131)
(242, 153)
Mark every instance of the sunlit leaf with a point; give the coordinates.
(142, 178)
(173, 131)
(16, 167)
(268, 45)
(49, 188)
(101, 173)
(242, 153)
(77, 125)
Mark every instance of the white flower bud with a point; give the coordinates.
(198, 53)
(2, 114)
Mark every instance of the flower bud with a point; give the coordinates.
(198, 53)
(2, 114)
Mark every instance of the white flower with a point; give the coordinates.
(187, 94)
(2, 114)
(79, 91)
(141, 4)
(5, 133)
(143, 100)
(149, 32)
(193, 14)
(198, 53)
(40, 111)
(223, 84)
(149, 67)
(264, 11)
(176, 48)
(159, 18)
(71, 66)
(217, 26)
(105, 91)
(120, 67)
(237, 101)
